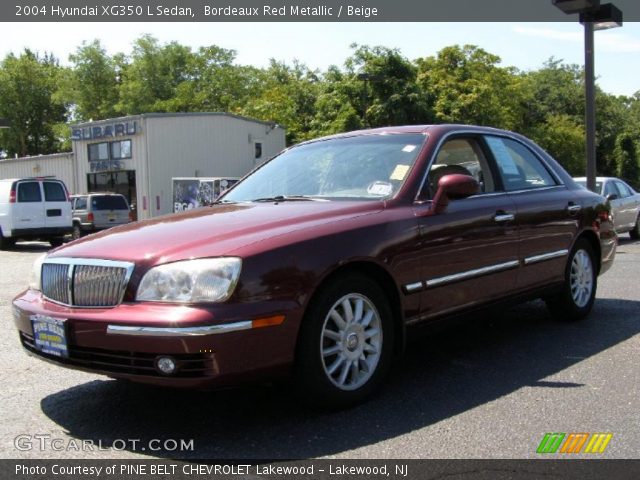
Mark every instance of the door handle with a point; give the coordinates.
(573, 208)
(502, 216)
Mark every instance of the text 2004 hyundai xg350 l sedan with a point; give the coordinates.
(320, 262)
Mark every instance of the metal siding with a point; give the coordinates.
(204, 146)
(59, 165)
(137, 161)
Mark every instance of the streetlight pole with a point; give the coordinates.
(594, 17)
(590, 100)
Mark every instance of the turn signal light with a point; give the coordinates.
(267, 322)
(90, 216)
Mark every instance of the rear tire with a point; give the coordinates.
(345, 345)
(6, 242)
(77, 232)
(635, 232)
(580, 284)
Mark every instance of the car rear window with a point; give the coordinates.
(109, 202)
(54, 192)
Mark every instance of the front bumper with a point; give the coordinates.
(213, 347)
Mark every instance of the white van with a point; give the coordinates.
(34, 209)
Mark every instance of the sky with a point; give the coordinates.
(523, 45)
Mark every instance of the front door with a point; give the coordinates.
(470, 251)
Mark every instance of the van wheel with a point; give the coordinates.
(56, 241)
(77, 232)
(6, 242)
(579, 289)
(345, 345)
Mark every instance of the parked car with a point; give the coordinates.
(321, 262)
(98, 211)
(625, 203)
(34, 209)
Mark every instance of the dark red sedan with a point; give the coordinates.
(319, 263)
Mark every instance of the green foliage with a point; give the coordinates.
(28, 99)
(467, 85)
(376, 86)
(626, 158)
(91, 85)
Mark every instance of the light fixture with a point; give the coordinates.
(607, 16)
(576, 6)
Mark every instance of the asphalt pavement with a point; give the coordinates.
(489, 388)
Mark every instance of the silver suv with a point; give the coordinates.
(98, 211)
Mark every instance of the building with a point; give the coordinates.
(139, 155)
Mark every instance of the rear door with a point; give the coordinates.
(546, 213)
(628, 209)
(28, 211)
(57, 206)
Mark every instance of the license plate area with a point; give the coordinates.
(50, 335)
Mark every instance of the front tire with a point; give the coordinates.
(345, 345)
(56, 241)
(635, 232)
(579, 290)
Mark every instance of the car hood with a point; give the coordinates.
(233, 229)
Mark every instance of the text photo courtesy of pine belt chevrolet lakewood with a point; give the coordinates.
(320, 262)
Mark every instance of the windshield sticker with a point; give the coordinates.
(380, 188)
(502, 155)
(399, 172)
(409, 148)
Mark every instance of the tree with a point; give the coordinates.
(287, 97)
(467, 85)
(29, 100)
(150, 80)
(626, 157)
(91, 85)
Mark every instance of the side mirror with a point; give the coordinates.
(453, 187)
(612, 196)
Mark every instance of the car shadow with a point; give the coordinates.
(441, 375)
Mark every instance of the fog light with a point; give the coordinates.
(166, 365)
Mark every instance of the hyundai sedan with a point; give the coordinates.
(320, 263)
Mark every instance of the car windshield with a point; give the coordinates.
(360, 167)
(583, 183)
(109, 202)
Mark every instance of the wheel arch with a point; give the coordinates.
(593, 239)
(384, 279)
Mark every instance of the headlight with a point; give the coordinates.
(36, 272)
(190, 281)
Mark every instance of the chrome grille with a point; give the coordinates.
(55, 282)
(94, 283)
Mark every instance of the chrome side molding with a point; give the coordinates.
(545, 256)
(178, 331)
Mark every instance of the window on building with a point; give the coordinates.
(29, 192)
(54, 192)
(121, 149)
(258, 149)
(98, 151)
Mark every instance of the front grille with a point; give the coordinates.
(190, 365)
(85, 282)
(55, 282)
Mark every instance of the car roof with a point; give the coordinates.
(423, 129)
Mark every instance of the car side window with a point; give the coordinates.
(610, 189)
(29, 192)
(622, 189)
(463, 156)
(519, 167)
(81, 203)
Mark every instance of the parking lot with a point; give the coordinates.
(490, 388)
